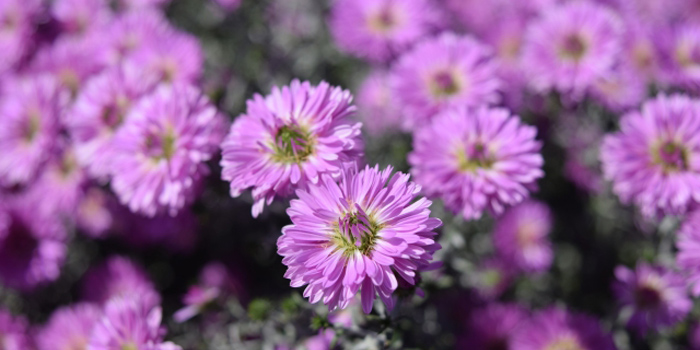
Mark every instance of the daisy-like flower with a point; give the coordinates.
(486, 160)
(16, 30)
(14, 333)
(571, 46)
(376, 106)
(119, 278)
(653, 159)
(362, 234)
(492, 327)
(69, 327)
(521, 236)
(29, 117)
(444, 72)
(379, 30)
(559, 329)
(160, 152)
(288, 139)
(657, 296)
(688, 244)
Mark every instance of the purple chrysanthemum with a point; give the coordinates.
(639, 49)
(16, 30)
(379, 30)
(29, 117)
(14, 334)
(444, 72)
(657, 296)
(486, 160)
(69, 327)
(32, 246)
(571, 46)
(362, 234)
(132, 32)
(376, 106)
(652, 159)
(127, 324)
(688, 244)
(288, 139)
(119, 278)
(492, 327)
(160, 152)
(521, 236)
(556, 328)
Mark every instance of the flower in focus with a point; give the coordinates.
(69, 327)
(29, 117)
(443, 72)
(571, 46)
(492, 327)
(656, 295)
(376, 106)
(160, 152)
(652, 159)
(14, 334)
(289, 139)
(486, 160)
(559, 329)
(688, 244)
(521, 236)
(119, 278)
(215, 284)
(379, 30)
(357, 235)
(16, 30)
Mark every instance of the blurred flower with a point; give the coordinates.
(78, 17)
(160, 151)
(651, 159)
(486, 160)
(521, 236)
(215, 284)
(174, 58)
(684, 56)
(119, 278)
(483, 17)
(134, 6)
(127, 324)
(491, 278)
(443, 72)
(571, 46)
(688, 244)
(29, 117)
(640, 52)
(288, 139)
(376, 106)
(379, 30)
(656, 295)
(491, 327)
(229, 5)
(620, 90)
(69, 327)
(322, 341)
(581, 138)
(556, 328)
(359, 234)
(16, 30)
(132, 32)
(94, 216)
(14, 331)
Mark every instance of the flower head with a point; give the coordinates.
(289, 139)
(656, 295)
(376, 105)
(78, 17)
(362, 234)
(94, 215)
(622, 89)
(14, 333)
(683, 61)
(521, 236)
(174, 58)
(119, 278)
(443, 72)
(653, 159)
(492, 327)
(69, 327)
(16, 30)
(486, 159)
(559, 329)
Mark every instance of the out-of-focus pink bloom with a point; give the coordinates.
(94, 217)
(69, 327)
(376, 106)
(521, 236)
(119, 278)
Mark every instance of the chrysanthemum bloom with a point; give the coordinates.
(640, 51)
(176, 57)
(683, 59)
(288, 139)
(32, 246)
(571, 46)
(93, 216)
(379, 30)
(127, 324)
(482, 17)
(444, 72)
(558, 329)
(69, 327)
(80, 16)
(492, 327)
(215, 284)
(132, 32)
(486, 160)
(376, 106)
(160, 152)
(14, 333)
(622, 89)
(119, 278)
(652, 159)
(29, 116)
(359, 235)
(688, 244)
(16, 28)
(657, 296)
(521, 236)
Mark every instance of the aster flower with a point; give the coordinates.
(14, 333)
(521, 236)
(683, 59)
(444, 72)
(379, 30)
(126, 324)
(160, 152)
(656, 295)
(93, 216)
(486, 160)
(32, 246)
(69, 327)
(215, 284)
(357, 235)
(29, 115)
(377, 108)
(640, 52)
(130, 33)
(622, 89)
(16, 30)
(556, 328)
(483, 17)
(571, 46)
(688, 244)
(288, 140)
(119, 278)
(651, 159)
(78, 17)
(492, 327)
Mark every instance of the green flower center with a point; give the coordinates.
(445, 84)
(129, 346)
(161, 146)
(565, 343)
(356, 232)
(573, 47)
(476, 156)
(293, 144)
(671, 156)
(383, 21)
(31, 128)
